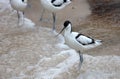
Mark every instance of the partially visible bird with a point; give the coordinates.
(19, 6)
(78, 41)
(53, 6)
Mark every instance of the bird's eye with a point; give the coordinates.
(24, 1)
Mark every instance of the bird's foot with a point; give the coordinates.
(80, 65)
(20, 24)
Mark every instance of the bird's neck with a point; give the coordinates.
(68, 30)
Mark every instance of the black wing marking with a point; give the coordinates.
(58, 3)
(84, 40)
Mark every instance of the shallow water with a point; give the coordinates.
(35, 53)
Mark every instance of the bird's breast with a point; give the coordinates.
(72, 43)
(17, 5)
(49, 6)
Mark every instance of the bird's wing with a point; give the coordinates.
(82, 39)
(57, 2)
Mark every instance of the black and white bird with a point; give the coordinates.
(53, 6)
(19, 6)
(78, 41)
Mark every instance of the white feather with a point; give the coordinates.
(49, 6)
(82, 39)
(81, 43)
(58, 2)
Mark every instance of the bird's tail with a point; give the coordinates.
(68, 2)
(98, 42)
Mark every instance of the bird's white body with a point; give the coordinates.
(76, 43)
(53, 6)
(49, 6)
(71, 41)
(18, 5)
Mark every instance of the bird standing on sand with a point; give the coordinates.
(19, 6)
(53, 6)
(78, 41)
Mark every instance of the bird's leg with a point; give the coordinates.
(23, 17)
(81, 58)
(23, 13)
(54, 21)
(18, 17)
(41, 17)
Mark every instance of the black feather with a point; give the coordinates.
(92, 42)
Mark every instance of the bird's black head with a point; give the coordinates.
(66, 23)
(25, 1)
(65, 0)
